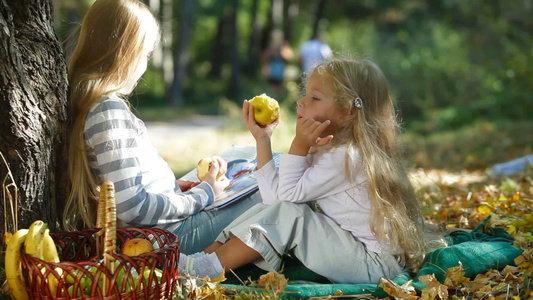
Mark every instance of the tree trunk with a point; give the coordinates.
(291, 11)
(167, 40)
(220, 46)
(254, 50)
(235, 80)
(274, 30)
(157, 55)
(33, 114)
(182, 54)
(320, 13)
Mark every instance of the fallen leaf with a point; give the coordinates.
(220, 278)
(395, 290)
(434, 289)
(273, 281)
(524, 258)
(479, 282)
(509, 270)
(455, 276)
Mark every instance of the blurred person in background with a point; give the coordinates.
(313, 52)
(275, 59)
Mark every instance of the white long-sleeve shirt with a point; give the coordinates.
(321, 177)
(147, 193)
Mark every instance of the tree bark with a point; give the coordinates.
(235, 80)
(157, 55)
(273, 32)
(182, 54)
(320, 13)
(291, 11)
(254, 50)
(220, 46)
(167, 40)
(33, 113)
(277, 16)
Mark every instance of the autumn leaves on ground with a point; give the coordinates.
(455, 200)
(463, 201)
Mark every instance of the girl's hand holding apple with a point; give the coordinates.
(204, 165)
(259, 131)
(266, 109)
(213, 171)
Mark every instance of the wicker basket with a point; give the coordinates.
(81, 275)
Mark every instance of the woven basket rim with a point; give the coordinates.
(166, 285)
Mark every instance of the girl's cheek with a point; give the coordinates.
(320, 118)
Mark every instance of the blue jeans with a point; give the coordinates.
(201, 229)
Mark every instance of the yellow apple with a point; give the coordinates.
(203, 168)
(136, 246)
(266, 109)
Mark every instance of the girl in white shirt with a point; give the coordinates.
(345, 157)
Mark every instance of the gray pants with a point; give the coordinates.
(201, 229)
(316, 240)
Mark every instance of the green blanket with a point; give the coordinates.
(477, 251)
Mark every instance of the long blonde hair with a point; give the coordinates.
(112, 39)
(395, 212)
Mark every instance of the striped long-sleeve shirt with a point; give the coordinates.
(147, 193)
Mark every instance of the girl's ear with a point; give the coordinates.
(352, 110)
(347, 116)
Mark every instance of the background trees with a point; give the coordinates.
(449, 62)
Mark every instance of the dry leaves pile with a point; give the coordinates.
(463, 201)
(510, 283)
(268, 286)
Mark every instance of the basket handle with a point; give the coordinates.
(109, 216)
(100, 220)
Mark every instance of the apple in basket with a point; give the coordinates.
(136, 246)
(85, 283)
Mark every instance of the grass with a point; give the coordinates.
(474, 147)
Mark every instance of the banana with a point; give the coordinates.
(17, 289)
(50, 255)
(49, 248)
(33, 245)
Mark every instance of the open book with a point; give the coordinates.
(241, 163)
